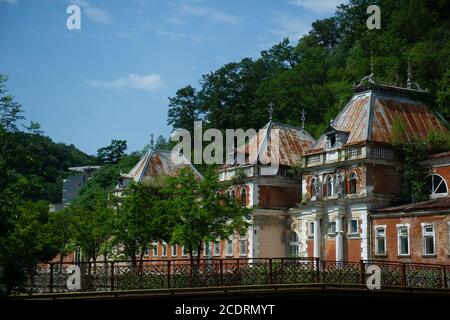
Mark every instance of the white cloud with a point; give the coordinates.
(149, 82)
(93, 13)
(286, 25)
(176, 36)
(209, 13)
(10, 2)
(318, 5)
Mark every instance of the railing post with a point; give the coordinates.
(51, 276)
(444, 275)
(238, 276)
(112, 276)
(270, 271)
(317, 262)
(221, 272)
(168, 273)
(404, 275)
(363, 271)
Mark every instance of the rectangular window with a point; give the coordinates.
(403, 239)
(229, 247)
(155, 249)
(164, 249)
(380, 243)
(207, 249)
(428, 239)
(184, 251)
(332, 227)
(353, 226)
(146, 252)
(217, 248)
(243, 246)
(311, 228)
(174, 250)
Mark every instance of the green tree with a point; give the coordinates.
(202, 211)
(92, 224)
(112, 153)
(184, 109)
(141, 219)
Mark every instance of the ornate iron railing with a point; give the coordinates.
(184, 273)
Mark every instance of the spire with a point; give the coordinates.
(410, 84)
(270, 111)
(152, 141)
(409, 80)
(303, 118)
(367, 80)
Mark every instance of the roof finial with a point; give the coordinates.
(303, 118)
(270, 110)
(371, 63)
(409, 80)
(152, 141)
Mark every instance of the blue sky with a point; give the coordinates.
(112, 78)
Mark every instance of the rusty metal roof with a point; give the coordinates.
(430, 205)
(155, 163)
(369, 116)
(293, 143)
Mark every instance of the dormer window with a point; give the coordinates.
(332, 141)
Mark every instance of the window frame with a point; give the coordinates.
(350, 226)
(216, 253)
(243, 196)
(163, 249)
(172, 247)
(311, 225)
(330, 228)
(432, 193)
(352, 181)
(293, 243)
(428, 234)
(330, 183)
(242, 240)
(377, 248)
(399, 236)
(229, 244)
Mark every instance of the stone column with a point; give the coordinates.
(317, 238)
(339, 238)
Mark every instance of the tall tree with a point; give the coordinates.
(184, 109)
(112, 153)
(202, 211)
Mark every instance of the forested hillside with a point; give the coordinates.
(317, 72)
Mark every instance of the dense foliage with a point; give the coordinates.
(318, 71)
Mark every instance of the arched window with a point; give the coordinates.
(313, 187)
(233, 194)
(293, 244)
(436, 185)
(328, 186)
(243, 196)
(352, 183)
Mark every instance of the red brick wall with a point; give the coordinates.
(376, 176)
(330, 249)
(416, 244)
(353, 250)
(310, 248)
(272, 197)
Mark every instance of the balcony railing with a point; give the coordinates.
(369, 151)
(182, 273)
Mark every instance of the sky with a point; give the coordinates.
(111, 79)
